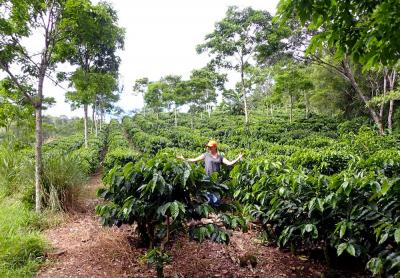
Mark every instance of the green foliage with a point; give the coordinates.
(312, 183)
(119, 157)
(160, 194)
(119, 152)
(21, 247)
(157, 258)
(342, 199)
(62, 181)
(365, 30)
(89, 158)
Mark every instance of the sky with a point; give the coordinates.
(160, 39)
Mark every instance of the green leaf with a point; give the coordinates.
(384, 237)
(127, 169)
(174, 210)
(375, 265)
(342, 229)
(341, 248)
(162, 209)
(385, 187)
(397, 235)
(351, 250)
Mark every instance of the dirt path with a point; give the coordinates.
(83, 248)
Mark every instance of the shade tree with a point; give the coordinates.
(235, 41)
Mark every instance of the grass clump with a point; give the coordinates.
(21, 246)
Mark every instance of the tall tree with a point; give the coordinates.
(203, 85)
(26, 69)
(94, 37)
(154, 96)
(175, 93)
(235, 41)
(290, 83)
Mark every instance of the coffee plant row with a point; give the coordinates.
(313, 184)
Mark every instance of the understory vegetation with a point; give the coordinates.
(313, 184)
(67, 165)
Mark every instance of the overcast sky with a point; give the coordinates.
(160, 39)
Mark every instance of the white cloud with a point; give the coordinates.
(161, 37)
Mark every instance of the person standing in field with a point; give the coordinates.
(212, 162)
(212, 158)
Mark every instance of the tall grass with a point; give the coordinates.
(63, 179)
(21, 246)
(16, 170)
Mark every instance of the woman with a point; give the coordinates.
(212, 159)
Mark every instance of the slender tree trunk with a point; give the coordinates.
(93, 120)
(38, 158)
(385, 71)
(85, 121)
(390, 115)
(191, 122)
(392, 80)
(38, 144)
(244, 93)
(176, 116)
(272, 110)
(101, 120)
(350, 76)
(95, 123)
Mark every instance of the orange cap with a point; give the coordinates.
(212, 143)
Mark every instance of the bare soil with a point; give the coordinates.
(82, 247)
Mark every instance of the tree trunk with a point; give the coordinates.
(390, 115)
(38, 157)
(95, 123)
(93, 120)
(392, 80)
(244, 95)
(176, 116)
(385, 72)
(85, 120)
(350, 76)
(38, 144)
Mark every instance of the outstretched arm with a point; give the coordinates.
(199, 158)
(229, 163)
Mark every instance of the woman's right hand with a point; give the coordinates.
(180, 157)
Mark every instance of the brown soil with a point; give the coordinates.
(83, 248)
